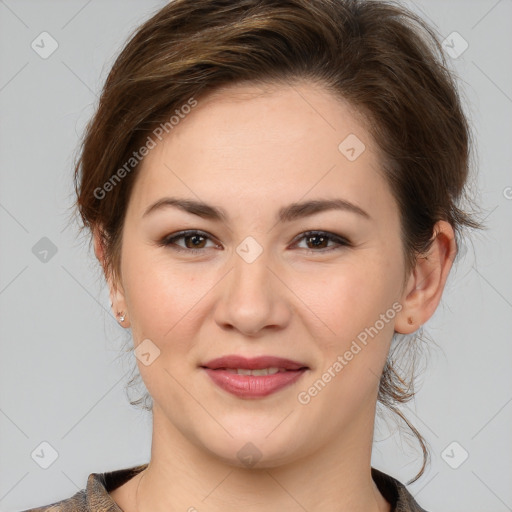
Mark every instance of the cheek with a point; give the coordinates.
(158, 292)
(359, 308)
(359, 305)
(353, 296)
(162, 299)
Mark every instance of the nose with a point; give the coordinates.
(252, 300)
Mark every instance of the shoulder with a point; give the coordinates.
(395, 492)
(95, 497)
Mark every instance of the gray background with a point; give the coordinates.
(62, 373)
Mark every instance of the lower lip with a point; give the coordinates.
(253, 386)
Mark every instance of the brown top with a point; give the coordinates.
(95, 497)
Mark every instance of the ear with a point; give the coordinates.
(427, 279)
(117, 298)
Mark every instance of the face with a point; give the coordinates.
(318, 286)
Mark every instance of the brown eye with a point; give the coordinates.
(318, 241)
(194, 241)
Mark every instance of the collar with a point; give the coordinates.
(96, 497)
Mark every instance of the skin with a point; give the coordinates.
(252, 150)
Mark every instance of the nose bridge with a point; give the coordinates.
(251, 277)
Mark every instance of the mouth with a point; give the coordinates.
(234, 362)
(263, 371)
(256, 377)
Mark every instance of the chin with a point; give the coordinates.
(254, 450)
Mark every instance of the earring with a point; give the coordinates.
(410, 321)
(121, 317)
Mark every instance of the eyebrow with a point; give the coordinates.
(288, 213)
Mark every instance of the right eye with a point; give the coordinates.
(194, 241)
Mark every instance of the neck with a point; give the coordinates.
(183, 477)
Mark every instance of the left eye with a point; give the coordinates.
(322, 238)
(195, 241)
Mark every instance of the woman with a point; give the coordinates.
(273, 192)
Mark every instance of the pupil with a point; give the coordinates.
(321, 239)
(195, 238)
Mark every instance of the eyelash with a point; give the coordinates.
(169, 241)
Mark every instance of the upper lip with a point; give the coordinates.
(255, 363)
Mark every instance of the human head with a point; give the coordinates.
(380, 59)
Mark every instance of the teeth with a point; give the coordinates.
(263, 371)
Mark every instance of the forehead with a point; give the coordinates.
(263, 144)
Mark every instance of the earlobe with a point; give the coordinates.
(405, 322)
(117, 299)
(427, 280)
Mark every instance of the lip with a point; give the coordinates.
(255, 363)
(253, 386)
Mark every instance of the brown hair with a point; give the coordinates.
(380, 57)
